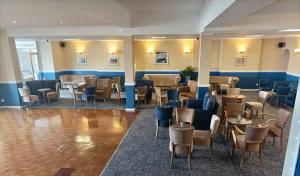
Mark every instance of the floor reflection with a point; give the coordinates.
(41, 141)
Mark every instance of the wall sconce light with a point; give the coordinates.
(297, 50)
(242, 50)
(187, 51)
(79, 51)
(113, 50)
(150, 51)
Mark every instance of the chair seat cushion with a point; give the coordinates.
(188, 95)
(202, 119)
(99, 91)
(274, 131)
(224, 86)
(255, 105)
(172, 104)
(241, 141)
(201, 137)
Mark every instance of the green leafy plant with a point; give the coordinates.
(187, 72)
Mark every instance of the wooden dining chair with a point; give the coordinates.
(277, 124)
(252, 140)
(160, 97)
(141, 94)
(233, 91)
(258, 105)
(181, 141)
(185, 115)
(233, 110)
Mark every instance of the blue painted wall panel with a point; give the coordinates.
(9, 92)
(201, 92)
(130, 96)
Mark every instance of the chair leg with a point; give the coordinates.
(274, 141)
(156, 129)
(281, 144)
(260, 155)
(242, 160)
(172, 157)
(211, 150)
(189, 158)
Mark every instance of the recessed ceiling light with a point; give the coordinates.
(158, 37)
(290, 30)
(254, 36)
(60, 22)
(14, 22)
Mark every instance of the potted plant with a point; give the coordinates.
(187, 73)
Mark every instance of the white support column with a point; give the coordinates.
(129, 74)
(204, 65)
(292, 150)
(10, 75)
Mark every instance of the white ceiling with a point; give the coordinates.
(69, 18)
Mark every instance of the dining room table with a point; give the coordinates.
(44, 91)
(241, 98)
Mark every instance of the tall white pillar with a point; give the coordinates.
(129, 74)
(204, 65)
(10, 75)
(292, 150)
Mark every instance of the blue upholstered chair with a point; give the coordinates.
(163, 117)
(172, 98)
(264, 85)
(204, 109)
(282, 94)
(89, 94)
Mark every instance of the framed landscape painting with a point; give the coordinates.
(161, 57)
(82, 60)
(113, 60)
(240, 60)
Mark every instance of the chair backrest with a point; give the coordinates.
(214, 124)
(185, 115)
(283, 117)
(26, 92)
(20, 91)
(57, 87)
(282, 90)
(173, 94)
(71, 90)
(181, 136)
(234, 109)
(229, 100)
(90, 91)
(263, 96)
(263, 82)
(142, 90)
(193, 86)
(255, 137)
(163, 114)
(209, 102)
(233, 91)
(157, 91)
(117, 80)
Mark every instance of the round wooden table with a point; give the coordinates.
(240, 98)
(241, 122)
(182, 126)
(44, 91)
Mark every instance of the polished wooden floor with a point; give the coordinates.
(42, 142)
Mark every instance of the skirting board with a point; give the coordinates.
(130, 109)
(252, 90)
(10, 107)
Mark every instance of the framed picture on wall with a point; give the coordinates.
(113, 60)
(161, 57)
(240, 60)
(82, 60)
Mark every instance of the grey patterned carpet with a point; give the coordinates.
(141, 154)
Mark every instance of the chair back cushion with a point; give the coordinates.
(181, 138)
(214, 124)
(163, 79)
(163, 115)
(255, 137)
(233, 91)
(185, 115)
(193, 86)
(202, 120)
(282, 90)
(172, 95)
(283, 117)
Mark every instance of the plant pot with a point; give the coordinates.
(187, 78)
